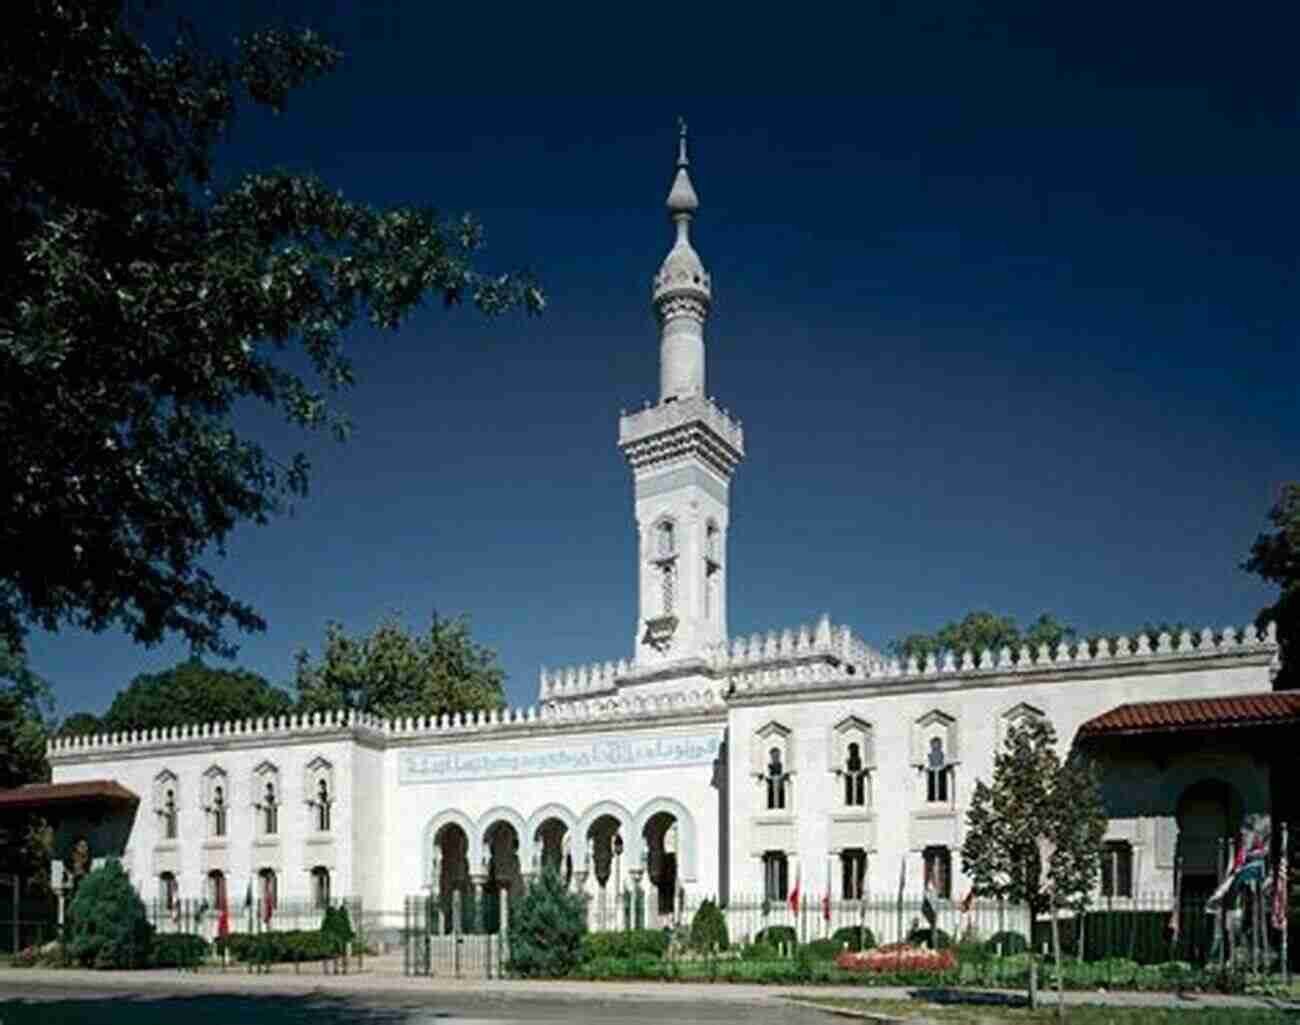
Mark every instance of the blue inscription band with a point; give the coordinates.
(599, 754)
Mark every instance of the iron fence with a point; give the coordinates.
(201, 917)
(441, 938)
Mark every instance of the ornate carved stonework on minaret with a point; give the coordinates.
(683, 452)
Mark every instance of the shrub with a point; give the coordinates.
(178, 949)
(106, 921)
(337, 926)
(547, 928)
(898, 958)
(622, 945)
(858, 937)
(935, 939)
(275, 946)
(776, 935)
(1007, 942)
(821, 950)
(709, 928)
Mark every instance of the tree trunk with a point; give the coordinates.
(1033, 976)
(1056, 951)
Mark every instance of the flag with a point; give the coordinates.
(826, 906)
(968, 901)
(223, 912)
(928, 899)
(1280, 886)
(1249, 864)
(794, 894)
(248, 895)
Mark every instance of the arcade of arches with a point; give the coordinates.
(606, 852)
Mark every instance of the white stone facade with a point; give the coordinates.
(663, 762)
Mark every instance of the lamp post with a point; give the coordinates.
(618, 873)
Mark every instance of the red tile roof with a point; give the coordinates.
(91, 791)
(1268, 709)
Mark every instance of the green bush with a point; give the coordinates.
(337, 926)
(640, 967)
(178, 950)
(278, 946)
(858, 937)
(935, 939)
(709, 928)
(547, 928)
(106, 922)
(1140, 936)
(821, 950)
(629, 943)
(776, 935)
(1007, 942)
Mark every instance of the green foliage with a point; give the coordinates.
(1275, 557)
(191, 692)
(1007, 942)
(776, 936)
(935, 939)
(624, 944)
(106, 922)
(80, 724)
(26, 709)
(980, 630)
(858, 937)
(1034, 795)
(144, 298)
(336, 926)
(393, 672)
(822, 950)
(277, 946)
(709, 928)
(178, 950)
(547, 928)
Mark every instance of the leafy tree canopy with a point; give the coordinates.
(1276, 558)
(26, 714)
(192, 692)
(393, 672)
(981, 630)
(1034, 796)
(141, 300)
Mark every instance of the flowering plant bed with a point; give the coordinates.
(897, 957)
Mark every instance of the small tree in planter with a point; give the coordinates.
(1034, 834)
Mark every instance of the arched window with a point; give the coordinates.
(1117, 869)
(216, 889)
(853, 873)
(270, 810)
(938, 871)
(322, 806)
(167, 891)
(776, 777)
(776, 875)
(320, 887)
(712, 548)
(218, 810)
(937, 773)
(855, 778)
(269, 887)
(665, 539)
(169, 815)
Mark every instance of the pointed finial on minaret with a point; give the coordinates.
(681, 142)
(682, 201)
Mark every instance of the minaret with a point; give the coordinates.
(682, 451)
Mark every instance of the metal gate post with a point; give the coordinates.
(455, 931)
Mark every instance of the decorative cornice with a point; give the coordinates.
(688, 427)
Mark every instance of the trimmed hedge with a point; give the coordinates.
(1007, 942)
(775, 935)
(291, 945)
(709, 928)
(935, 939)
(858, 937)
(178, 950)
(822, 950)
(625, 945)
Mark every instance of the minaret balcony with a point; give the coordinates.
(686, 426)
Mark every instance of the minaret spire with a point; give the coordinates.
(682, 292)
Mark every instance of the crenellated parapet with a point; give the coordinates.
(748, 677)
(580, 681)
(825, 643)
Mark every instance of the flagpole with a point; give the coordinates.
(1284, 884)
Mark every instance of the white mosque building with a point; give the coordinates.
(703, 763)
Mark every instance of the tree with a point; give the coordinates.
(26, 709)
(979, 631)
(1035, 803)
(1276, 558)
(192, 692)
(81, 724)
(393, 672)
(107, 926)
(141, 302)
(546, 928)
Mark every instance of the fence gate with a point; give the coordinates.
(454, 938)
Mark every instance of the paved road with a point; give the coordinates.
(54, 1004)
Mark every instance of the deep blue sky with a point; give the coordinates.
(1013, 326)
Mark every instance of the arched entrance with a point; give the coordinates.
(1209, 814)
(551, 843)
(451, 872)
(660, 836)
(605, 846)
(501, 849)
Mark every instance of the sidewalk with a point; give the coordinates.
(284, 981)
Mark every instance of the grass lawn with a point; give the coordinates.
(989, 1014)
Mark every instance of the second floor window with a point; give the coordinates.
(322, 807)
(169, 815)
(270, 811)
(855, 779)
(938, 774)
(218, 811)
(775, 780)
